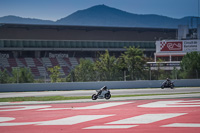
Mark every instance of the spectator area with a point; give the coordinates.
(39, 66)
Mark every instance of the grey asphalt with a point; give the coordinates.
(90, 92)
(103, 100)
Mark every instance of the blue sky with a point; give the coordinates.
(56, 9)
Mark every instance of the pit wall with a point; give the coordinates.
(94, 85)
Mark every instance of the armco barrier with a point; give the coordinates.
(94, 85)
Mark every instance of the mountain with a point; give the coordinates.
(20, 20)
(102, 15)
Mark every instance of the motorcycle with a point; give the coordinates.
(101, 94)
(167, 85)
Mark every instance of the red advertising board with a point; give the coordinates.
(171, 46)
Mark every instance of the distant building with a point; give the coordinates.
(172, 51)
(41, 46)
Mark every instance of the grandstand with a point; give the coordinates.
(39, 47)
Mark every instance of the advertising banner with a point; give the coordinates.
(3, 55)
(178, 45)
(58, 55)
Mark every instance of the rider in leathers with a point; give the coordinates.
(167, 82)
(104, 88)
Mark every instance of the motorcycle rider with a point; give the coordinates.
(104, 88)
(167, 82)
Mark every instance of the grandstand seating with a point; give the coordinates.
(12, 62)
(67, 61)
(23, 61)
(63, 62)
(39, 66)
(19, 63)
(37, 62)
(30, 62)
(35, 71)
(74, 62)
(46, 62)
(4, 62)
(42, 71)
(54, 61)
(66, 70)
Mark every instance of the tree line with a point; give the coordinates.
(18, 75)
(130, 65)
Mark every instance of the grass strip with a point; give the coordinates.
(56, 98)
(45, 98)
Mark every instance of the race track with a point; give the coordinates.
(90, 92)
(138, 116)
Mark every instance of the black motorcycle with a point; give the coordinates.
(167, 85)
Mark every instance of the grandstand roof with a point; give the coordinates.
(69, 32)
(77, 27)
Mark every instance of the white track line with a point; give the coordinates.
(98, 106)
(64, 121)
(104, 105)
(111, 127)
(182, 125)
(147, 118)
(74, 120)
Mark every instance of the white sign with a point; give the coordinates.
(4, 55)
(60, 55)
(190, 46)
(178, 46)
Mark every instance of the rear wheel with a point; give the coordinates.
(94, 97)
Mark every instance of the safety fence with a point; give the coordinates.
(94, 85)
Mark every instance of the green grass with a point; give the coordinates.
(154, 94)
(56, 98)
(46, 98)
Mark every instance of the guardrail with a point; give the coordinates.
(94, 85)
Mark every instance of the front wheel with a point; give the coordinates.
(107, 96)
(94, 97)
(172, 86)
(162, 87)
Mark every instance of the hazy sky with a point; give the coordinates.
(56, 9)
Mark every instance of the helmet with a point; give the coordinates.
(105, 87)
(167, 78)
